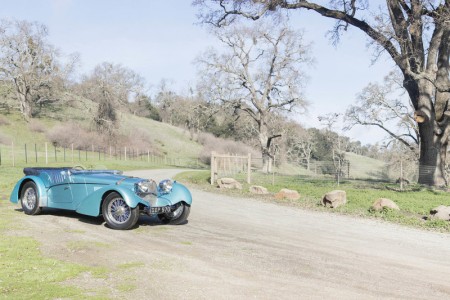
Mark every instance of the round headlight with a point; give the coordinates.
(166, 186)
(146, 187)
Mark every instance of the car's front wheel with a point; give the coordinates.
(176, 217)
(117, 213)
(29, 198)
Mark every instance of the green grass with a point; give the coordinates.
(25, 274)
(414, 204)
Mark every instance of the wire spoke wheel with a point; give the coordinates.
(176, 217)
(117, 213)
(29, 198)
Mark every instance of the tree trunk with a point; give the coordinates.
(432, 148)
(263, 141)
(25, 106)
(432, 157)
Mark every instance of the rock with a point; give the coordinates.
(287, 194)
(441, 212)
(384, 202)
(257, 189)
(334, 198)
(229, 183)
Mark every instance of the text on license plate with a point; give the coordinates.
(160, 210)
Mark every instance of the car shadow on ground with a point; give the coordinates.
(68, 214)
(144, 220)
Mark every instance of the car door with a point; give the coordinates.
(60, 193)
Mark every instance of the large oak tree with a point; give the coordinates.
(414, 33)
(259, 74)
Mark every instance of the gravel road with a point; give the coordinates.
(244, 248)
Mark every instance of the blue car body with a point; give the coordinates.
(84, 190)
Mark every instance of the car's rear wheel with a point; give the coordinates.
(176, 217)
(29, 198)
(117, 213)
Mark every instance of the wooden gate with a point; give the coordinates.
(230, 164)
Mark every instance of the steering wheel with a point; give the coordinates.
(79, 168)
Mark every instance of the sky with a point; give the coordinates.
(160, 40)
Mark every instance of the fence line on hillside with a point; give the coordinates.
(34, 153)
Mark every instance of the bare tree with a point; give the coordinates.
(111, 86)
(381, 105)
(415, 34)
(31, 65)
(258, 73)
(337, 141)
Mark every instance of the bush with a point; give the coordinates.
(4, 121)
(211, 143)
(84, 139)
(36, 126)
(5, 140)
(72, 133)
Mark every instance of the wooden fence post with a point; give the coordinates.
(212, 167)
(249, 168)
(46, 154)
(13, 158)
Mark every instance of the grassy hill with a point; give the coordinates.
(133, 132)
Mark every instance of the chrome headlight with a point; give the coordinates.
(165, 186)
(146, 187)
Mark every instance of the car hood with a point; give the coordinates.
(104, 178)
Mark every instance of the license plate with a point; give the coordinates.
(160, 210)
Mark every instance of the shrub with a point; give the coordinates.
(72, 133)
(4, 121)
(36, 126)
(211, 143)
(5, 140)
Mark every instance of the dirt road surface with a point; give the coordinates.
(235, 248)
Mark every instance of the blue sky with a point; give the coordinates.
(159, 39)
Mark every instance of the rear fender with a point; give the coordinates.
(41, 190)
(91, 205)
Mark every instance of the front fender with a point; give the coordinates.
(41, 190)
(91, 205)
(179, 193)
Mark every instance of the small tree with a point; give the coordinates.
(111, 86)
(338, 142)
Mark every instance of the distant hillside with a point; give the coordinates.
(69, 123)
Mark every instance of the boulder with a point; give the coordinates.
(229, 183)
(334, 198)
(287, 194)
(384, 202)
(257, 189)
(441, 212)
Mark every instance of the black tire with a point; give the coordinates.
(29, 198)
(117, 214)
(177, 217)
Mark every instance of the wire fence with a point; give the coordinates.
(400, 172)
(44, 154)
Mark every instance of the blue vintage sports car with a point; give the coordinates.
(118, 198)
